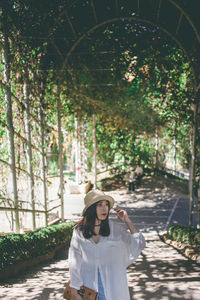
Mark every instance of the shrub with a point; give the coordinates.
(21, 247)
(186, 235)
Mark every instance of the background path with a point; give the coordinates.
(160, 273)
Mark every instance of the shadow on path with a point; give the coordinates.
(163, 273)
(160, 273)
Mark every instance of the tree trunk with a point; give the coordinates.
(193, 161)
(77, 151)
(9, 115)
(156, 146)
(174, 155)
(29, 150)
(174, 149)
(83, 151)
(94, 150)
(60, 145)
(43, 156)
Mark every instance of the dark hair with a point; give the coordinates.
(86, 224)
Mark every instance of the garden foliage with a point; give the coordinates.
(186, 235)
(20, 247)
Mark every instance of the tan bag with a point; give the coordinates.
(84, 292)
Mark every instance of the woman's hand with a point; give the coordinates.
(122, 215)
(75, 295)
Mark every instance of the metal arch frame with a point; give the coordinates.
(174, 37)
(188, 18)
(133, 18)
(117, 18)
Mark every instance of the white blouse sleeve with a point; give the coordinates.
(75, 258)
(134, 244)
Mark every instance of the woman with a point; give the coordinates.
(102, 249)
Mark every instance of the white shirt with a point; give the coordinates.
(111, 255)
(139, 171)
(132, 176)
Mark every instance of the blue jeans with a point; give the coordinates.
(101, 295)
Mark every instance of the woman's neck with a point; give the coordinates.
(97, 226)
(97, 223)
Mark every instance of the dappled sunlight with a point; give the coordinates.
(45, 281)
(151, 205)
(162, 273)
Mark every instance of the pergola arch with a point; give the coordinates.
(91, 30)
(177, 19)
(74, 20)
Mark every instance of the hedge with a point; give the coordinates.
(15, 248)
(186, 235)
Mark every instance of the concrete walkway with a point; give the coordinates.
(160, 273)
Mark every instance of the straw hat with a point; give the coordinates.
(96, 196)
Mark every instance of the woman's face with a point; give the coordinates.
(102, 209)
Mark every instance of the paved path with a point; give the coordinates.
(158, 203)
(160, 273)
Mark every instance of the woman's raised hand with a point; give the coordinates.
(122, 214)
